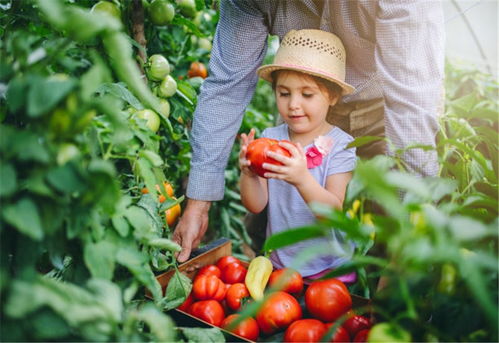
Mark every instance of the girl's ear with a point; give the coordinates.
(333, 98)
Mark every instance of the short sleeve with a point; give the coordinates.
(341, 159)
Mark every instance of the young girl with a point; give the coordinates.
(307, 76)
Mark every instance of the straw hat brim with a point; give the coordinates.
(265, 72)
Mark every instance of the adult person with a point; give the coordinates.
(395, 55)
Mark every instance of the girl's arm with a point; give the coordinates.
(253, 188)
(295, 172)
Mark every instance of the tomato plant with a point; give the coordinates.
(305, 330)
(161, 12)
(235, 296)
(197, 69)
(257, 153)
(287, 279)
(278, 311)
(247, 328)
(208, 310)
(328, 299)
(208, 287)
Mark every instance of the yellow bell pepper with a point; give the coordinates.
(257, 276)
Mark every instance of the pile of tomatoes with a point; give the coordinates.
(219, 293)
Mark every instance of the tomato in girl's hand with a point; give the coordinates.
(305, 330)
(233, 273)
(210, 311)
(247, 328)
(328, 299)
(257, 153)
(235, 295)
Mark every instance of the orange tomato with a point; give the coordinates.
(172, 214)
(197, 69)
(161, 197)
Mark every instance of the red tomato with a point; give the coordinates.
(361, 336)
(248, 328)
(290, 280)
(277, 312)
(223, 261)
(257, 153)
(187, 303)
(234, 273)
(209, 269)
(356, 323)
(208, 287)
(210, 311)
(305, 330)
(327, 300)
(340, 335)
(235, 294)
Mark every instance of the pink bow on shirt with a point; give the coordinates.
(322, 146)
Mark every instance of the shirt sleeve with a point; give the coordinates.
(410, 62)
(239, 47)
(342, 160)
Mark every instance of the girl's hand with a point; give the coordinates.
(243, 162)
(294, 169)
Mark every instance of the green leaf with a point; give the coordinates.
(8, 179)
(99, 258)
(152, 157)
(161, 326)
(363, 140)
(292, 236)
(27, 147)
(65, 179)
(94, 78)
(179, 287)
(200, 335)
(178, 20)
(25, 217)
(121, 225)
(16, 93)
(467, 229)
(120, 91)
(45, 94)
(408, 182)
(187, 90)
(140, 221)
(164, 243)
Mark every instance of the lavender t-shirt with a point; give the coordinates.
(287, 209)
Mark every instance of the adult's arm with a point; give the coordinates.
(410, 62)
(239, 47)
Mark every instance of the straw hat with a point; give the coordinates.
(313, 52)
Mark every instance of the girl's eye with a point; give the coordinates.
(283, 94)
(308, 95)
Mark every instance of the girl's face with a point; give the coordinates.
(302, 104)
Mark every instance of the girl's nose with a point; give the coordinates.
(294, 102)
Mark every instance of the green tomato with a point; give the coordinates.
(161, 12)
(152, 119)
(386, 332)
(164, 105)
(158, 67)
(204, 43)
(168, 87)
(187, 7)
(107, 7)
(67, 152)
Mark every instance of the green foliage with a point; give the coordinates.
(80, 243)
(432, 242)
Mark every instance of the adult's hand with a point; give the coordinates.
(191, 227)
